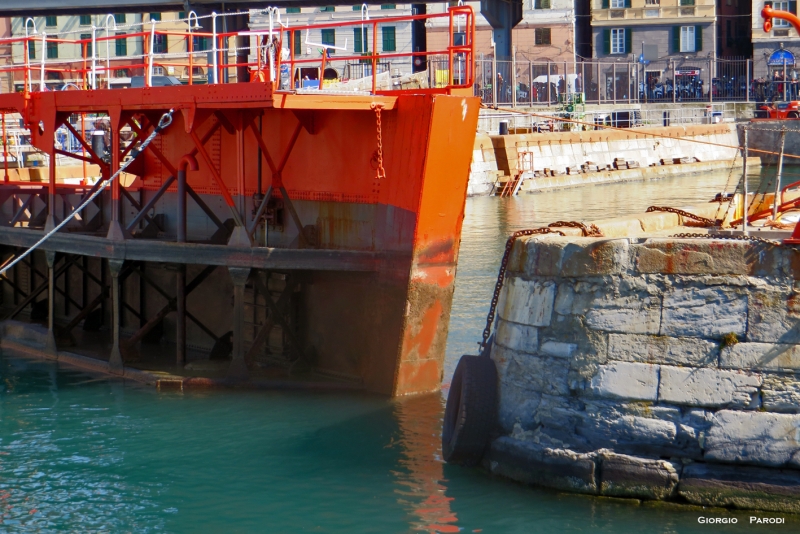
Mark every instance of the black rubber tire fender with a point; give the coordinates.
(471, 410)
(793, 115)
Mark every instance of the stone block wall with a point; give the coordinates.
(651, 368)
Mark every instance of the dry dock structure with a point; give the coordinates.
(298, 234)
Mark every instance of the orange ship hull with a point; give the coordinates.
(374, 256)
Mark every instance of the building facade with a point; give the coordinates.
(776, 49)
(117, 61)
(308, 46)
(734, 28)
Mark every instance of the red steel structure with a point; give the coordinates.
(336, 214)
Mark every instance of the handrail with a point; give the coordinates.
(449, 68)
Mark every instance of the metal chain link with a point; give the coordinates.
(731, 237)
(166, 120)
(590, 230)
(706, 221)
(502, 275)
(381, 173)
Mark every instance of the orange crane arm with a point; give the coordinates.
(768, 14)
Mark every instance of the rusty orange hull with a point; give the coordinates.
(381, 313)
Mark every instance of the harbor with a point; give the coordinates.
(398, 268)
(340, 449)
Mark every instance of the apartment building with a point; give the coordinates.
(733, 28)
(779, 47)
(545, 33)
(6, 76)
(394, 37)
(679, 29)
(115, 61)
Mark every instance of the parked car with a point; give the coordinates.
(155, 81)
(779, 110)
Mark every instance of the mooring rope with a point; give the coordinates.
(166, 120)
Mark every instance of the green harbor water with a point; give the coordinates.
(82, 453)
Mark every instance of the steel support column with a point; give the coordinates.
(51, 350)
(115, 362)
(502, 15)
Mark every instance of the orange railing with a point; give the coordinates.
(450, 67)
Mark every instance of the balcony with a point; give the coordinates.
(653, 11)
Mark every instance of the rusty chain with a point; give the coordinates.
(726, 236)
(706, 221)
(590, 230)
(502, 275)
(381, 173)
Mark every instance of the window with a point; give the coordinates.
(360, 40)
(121, 46)
(327, 8)
(687, 2)
(389, 39)
(158, 71)
(542, 36)
(618, 41)
(728, 33)
(86, 20)
(541, 4)
(329, 37)
(31, 50)
(181, 15)
(119, 18)
(783, 6)
(159, 44)
(618, 4)
(297, 40)
(293, 10)
(52, 50)
(87, 45)
(687, 39)
(51, 22)
(199, 43)
(121, 73)
(388, 6)
(155, 16)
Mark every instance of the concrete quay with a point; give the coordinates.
(651, 367)
(497, 159)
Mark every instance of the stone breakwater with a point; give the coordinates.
(497, 157)
(652, 368)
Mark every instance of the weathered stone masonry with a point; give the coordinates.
(653, 368)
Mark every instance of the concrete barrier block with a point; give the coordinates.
(620, 227)
(705, 387)
(516, 336)
(590, 256)
(769, 356)
(527, 302)
(758, 438)
(774, 316)
(533, 464)
(559, 349)
(710, 312)
(781, 393)
(653, 222)
(628, 476)
(662, 350)
(669, 256)
(741, 487)
(630, 314)
(624, 380)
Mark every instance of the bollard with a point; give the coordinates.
(503, 127)
(99, 143)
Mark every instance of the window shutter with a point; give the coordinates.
(357, 40)
(606, 41)
(628, 3)
(605, 5)
(793, 7)
(545, 4)
(628, 36)
(698, 38)
(676, 38)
